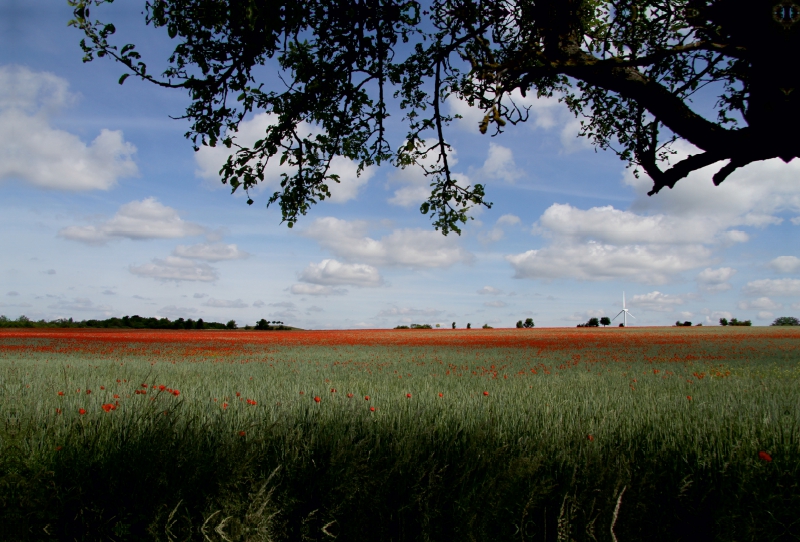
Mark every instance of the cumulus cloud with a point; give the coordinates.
(508, 220)
(773, 287)
(316, 289)
(715, 280)
(81, 304)
(414, 248)
(406, 314)
(177, 269)
(32, 150)
(171, 311)
(656, 301)
(785, 264)
(490, 290)
(138, 220)
(225, 303)
(333, 273)
(499, 165)
(210, 252)
(211, 159)
(761, 303)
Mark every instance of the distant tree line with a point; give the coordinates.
(415, 326)
(136, 322)
(527, 324)
(786, 321)
(734, 322)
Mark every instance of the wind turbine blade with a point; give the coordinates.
(629, 314)
(620, 312)
(623, 300)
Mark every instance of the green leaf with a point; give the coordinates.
(123, 77)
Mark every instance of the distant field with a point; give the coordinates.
(543, 434)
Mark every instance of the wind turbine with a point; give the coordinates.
(624, 312)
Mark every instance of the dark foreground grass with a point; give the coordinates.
(600, 451)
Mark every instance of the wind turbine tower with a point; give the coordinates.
(624, 312)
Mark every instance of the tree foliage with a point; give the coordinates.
(628, 68)
(786, 321)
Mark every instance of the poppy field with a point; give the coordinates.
(531, 435)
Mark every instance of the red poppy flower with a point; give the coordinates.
(176, 393)
(302, 393)
(242, 433)
(224, 405)
(108, 407)
(162, 387)
(118, 381)
(350, 395)
(58, 448)
(372, 409)
(238, 394)
(81, 411)
(116, 396)
(486, 393)
(317, 399)
(764, 456)
(143, 385)
(333, 390)
(61, 393)
(590, 437)
(689, 397)
(102, 387)
(408, 395)
(366, 397)
(58, 411)
(88, 392)
(441, 395)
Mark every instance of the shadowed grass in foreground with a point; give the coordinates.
(576, 435)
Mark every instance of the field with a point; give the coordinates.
(544, 434)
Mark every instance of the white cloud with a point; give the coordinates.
(490, 290)
(32, 150)
(762, 303)
(138, 220)
(225, 303)
(595, 261)
(773, 287)
(211, 159)
(210, 252)
(508, 220)
(499, 165)
(785, 264)
(171, 311)
(177, 269)
(80, 304)
(655, 301)
(715, 280)
(414, 248)
(584, 316)
(407, 314)
(333, 273)
(765, 315)
(495, 304)
(315, 289)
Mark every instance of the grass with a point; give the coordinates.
(559, 435)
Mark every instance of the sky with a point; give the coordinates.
(106, 210)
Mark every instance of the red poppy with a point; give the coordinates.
(109, 407)
(441, 395)
(242, 433)
(118, 381)
(61, 393)
(689, 397)
(317, 399)
(58, 411)
(81, 411)
(408, 395)
(176, 393)
(88, 392)
(350, 395)
(143, 385)
(372, 409)
(116, 396)
(162, 387)
(590, 437)
(486, 393)
(302, 392)
(764, 456)
(238, 394)
(102, 387)
(58, 448)
(366, 397)
(224, 405)
(333, 390)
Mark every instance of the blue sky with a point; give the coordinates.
(106, 210)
